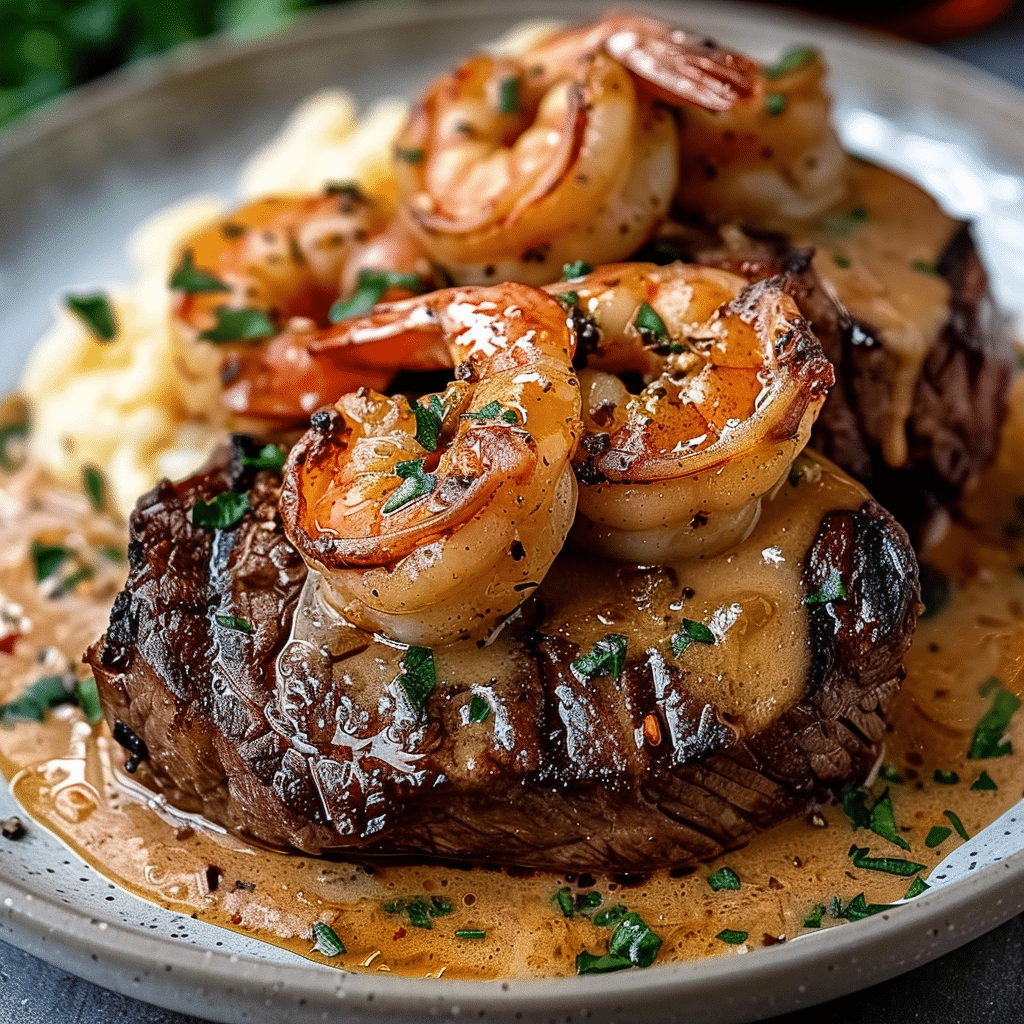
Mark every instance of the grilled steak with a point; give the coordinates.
(247, 700)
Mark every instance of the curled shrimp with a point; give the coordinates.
(434, 522)
(254, 291)
(734, 380)
(510, 167)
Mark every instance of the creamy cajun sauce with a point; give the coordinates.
(67, 776)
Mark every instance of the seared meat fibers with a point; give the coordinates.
(304, 734)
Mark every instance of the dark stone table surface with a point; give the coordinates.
(980, 983)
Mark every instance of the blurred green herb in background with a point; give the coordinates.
(47, 46)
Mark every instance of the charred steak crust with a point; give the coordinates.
(610, 775)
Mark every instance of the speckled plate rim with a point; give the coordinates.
(764, 982)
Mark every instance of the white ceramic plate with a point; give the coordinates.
(75, 180)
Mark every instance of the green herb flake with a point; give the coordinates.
(775, 103)
(732, 937)
(113, 553)
(724, 878)
(39, 697)
(187, 277)
(917, 886)
(792, 60)
(842, 262)
(649, 324)
(588, 901)
(95, 487)
(857, 909)
(989, 687)
(326, 940)
(889, 865)
(955, 821)
(370, 289)
(945, 778)
(937, 835)
(890, 774)
(71, 581)
(878, 818)
(429, 421)
(409, 156)
(924, 267)
(606, 658)
(96, 312)
(610, 916)
(236, 623)
(470, 933)
(508, 96)
(813, 919)
(984, 782)
(47, 559)
(269, 456)
(479, 709)
(222, 513)
(564, 901)
(568, 299)
(239, 325)
(988, 736)
(691, 632)
(488, 412)
(635, 940)
(419, 911)
(88, 699)
(859, 214)
(573, 271)
(418, 677)
(415, 484)
(12, 435)
(831, 590)
(591, 963)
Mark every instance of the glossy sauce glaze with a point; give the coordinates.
(68, 776)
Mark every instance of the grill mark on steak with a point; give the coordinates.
(283, 738)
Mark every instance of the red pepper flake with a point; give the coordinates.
(400, 934)
(8, 642)
(236, 918)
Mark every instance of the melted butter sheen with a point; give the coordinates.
(68, 776)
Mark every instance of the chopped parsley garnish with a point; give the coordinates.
(326, 940)
(606, 658)
(842, 262)
(470, 933)
(989, 686)
(793, 60)
(235, 622)
(955, 821)
(69, 582)
(409, 156)
(878, 818)
(813, 919)
(917, 886)
(649, 325)
(187, 277)
(634, 940)
(591, 963)
(937, 834)
(491, 411)
(564, 901)
(222, 513)
(581, 903)
(370, 289)
(890, 774)
(9, 434)
(115, 554)
(857, 909)
(691, 632)
(945, 778)
(419, 911)
(88, 699)
(724, 878)
(418, 677)
(240, 325)
(831, 590)
(890, 865)
(610, 916)
(415, 484)
(42, 695)
(96, 312)
(572, 271)
(988, 736)
(924, 267)
(508, 96)
(479, 709)
(984, 782)
(47, 558)
(588, 901)
(568, 299)
(936, 590)
(732, 937)
(95, 487)
(775, 103)
(429, 420)
(269, 456)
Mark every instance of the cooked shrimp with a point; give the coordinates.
(735, 379)
(509, 168)
(255, 290)
(433, 522)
